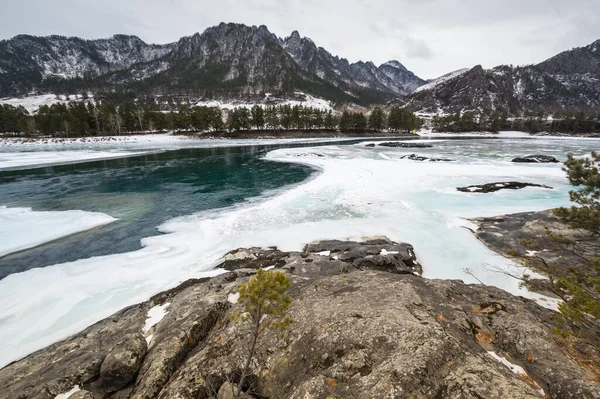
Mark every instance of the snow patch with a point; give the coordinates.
(516, 369)
(233, 298)
(155, 315)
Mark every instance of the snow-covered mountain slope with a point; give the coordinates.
(435, 82)
(223, 60)
(37, 63)
(570, 80)
(298, 98)
(33, 103)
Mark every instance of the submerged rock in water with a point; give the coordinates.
(364, 326)
(405, 145)
(415, 157)
(536, 159)
(492, 187)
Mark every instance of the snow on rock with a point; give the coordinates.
(441, 79)
(23, 228)
(233, 298)
(155, 315)
(518, 370)
(66, 395)
(149, 339)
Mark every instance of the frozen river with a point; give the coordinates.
(205, 202)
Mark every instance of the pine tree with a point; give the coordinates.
(376, 119)
(584, 173)
(265, 305)
(329, 121)
(345, 122)
(258, 120)
(272, 117)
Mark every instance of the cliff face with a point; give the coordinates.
(365, 326)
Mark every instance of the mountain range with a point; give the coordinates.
(235, 60)
(224, 60)
(567, 81)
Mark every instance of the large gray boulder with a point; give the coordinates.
(122, 363)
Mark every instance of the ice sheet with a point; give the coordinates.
(22, 228)
(14, 160)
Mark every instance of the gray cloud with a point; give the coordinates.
(416, 48)
(431, 37)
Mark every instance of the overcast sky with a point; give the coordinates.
(430, 37)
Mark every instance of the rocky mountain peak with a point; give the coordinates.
(394, 64)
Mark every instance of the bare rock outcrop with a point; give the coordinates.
(366, 325)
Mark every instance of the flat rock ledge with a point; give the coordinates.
(366, 325)
(492, 187)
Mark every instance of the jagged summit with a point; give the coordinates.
(394, 64)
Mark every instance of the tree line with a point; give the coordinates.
(559, 122)
(76, 119)
(286, 117)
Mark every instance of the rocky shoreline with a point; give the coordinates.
(366, 325)
(528, 236)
